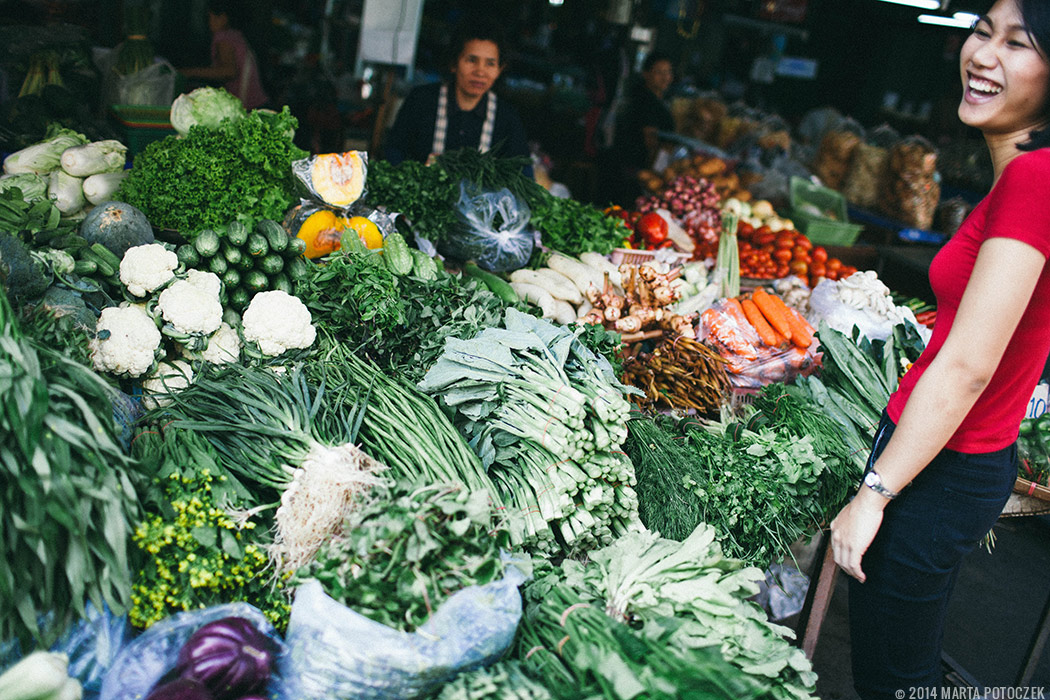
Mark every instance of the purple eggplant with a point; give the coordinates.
(181, 689)
(231, 657)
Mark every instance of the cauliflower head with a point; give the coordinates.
(126, 340)
(208, 281)
(169, 378)
(147, 268)
(190, 308)
(224, 346)
(277, 321)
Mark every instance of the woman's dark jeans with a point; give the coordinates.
(897, 614)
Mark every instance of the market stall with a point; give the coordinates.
(295, 425)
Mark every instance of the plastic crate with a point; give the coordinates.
(143, 124)
(821, 230)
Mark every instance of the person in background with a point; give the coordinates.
(233, 63)
(943, 461)
(636, 138)
(463, 111)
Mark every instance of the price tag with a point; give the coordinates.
(1037, 404)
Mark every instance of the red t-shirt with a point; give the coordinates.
(1017, 207)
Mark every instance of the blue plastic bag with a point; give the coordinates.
(335, 653)
(145, 660)
(93, 645)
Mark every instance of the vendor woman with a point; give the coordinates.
(462, 112)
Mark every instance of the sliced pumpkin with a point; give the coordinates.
(338, 178)
(321, 229)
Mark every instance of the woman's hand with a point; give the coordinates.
(853, 530)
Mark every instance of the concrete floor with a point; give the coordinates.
(992, 616)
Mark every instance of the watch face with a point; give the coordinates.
(871, 479)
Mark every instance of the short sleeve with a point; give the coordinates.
(1019, 205)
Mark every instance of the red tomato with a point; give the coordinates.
(653, 228)
(800, 253)
(819, 254)
(783, 270)
(803, 242)
(744, 229)
(846, 271)
(833, 264)
(817, 270)
(799, 268)
(782, 255)
(763, 238)
(785, 242)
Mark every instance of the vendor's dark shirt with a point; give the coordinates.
(412, 135)
(643, 109)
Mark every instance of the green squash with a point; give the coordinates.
(118, 226)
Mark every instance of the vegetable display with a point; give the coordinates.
(398, 575)
(682, 373)
(545, 415)
(239, 170)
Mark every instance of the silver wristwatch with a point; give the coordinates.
(874, 482)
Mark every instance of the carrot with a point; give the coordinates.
(765, 331)
(801, 331)
(735, 311)
(774, 313)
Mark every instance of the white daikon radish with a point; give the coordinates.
(100, 187)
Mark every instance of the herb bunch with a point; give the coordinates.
(425, 195)
(404, 554)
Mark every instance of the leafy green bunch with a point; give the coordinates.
(239, 170)
(404, 554)
(67, 494)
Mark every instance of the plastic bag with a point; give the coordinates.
(153, 85)
(336, 653)
(335, 179)
(493, 230)
(92, 645)
(154, 653)
(783, 592)
(751, 363)
(825, 305)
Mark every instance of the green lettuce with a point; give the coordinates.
(205, 106)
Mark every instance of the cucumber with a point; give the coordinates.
(272, 264)
(246, 262)
(277, 238)
(232, 253)
(188, 255)
(298, 268)
(282, 283)
(256, 281)
(85, 268)
(104, 263)
(257, 245)
(218, 265)
(237, 233)
(240, 298)
(498, 286)
(69, 242)
(231, 278)
(296, 247)
(395, 254)
(207, 243)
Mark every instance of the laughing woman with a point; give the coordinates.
(943, 461)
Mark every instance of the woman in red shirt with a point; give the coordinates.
(946, 441)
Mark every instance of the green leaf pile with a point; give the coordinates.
(240, 170)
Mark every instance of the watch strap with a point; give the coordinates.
(874, 482)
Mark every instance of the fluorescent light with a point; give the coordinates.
(966, 17)
(961, 21)
(921, 4)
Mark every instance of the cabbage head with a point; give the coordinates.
(32, 186)
(205, 106)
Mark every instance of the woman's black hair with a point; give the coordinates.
(231, 8)
(477, 28)
(652, 59)
(1036, 17)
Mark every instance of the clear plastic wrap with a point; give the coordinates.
(92, 645)
(336, 179)
(751, 363)
(493, 230)
(338, 654)
(146, 659)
